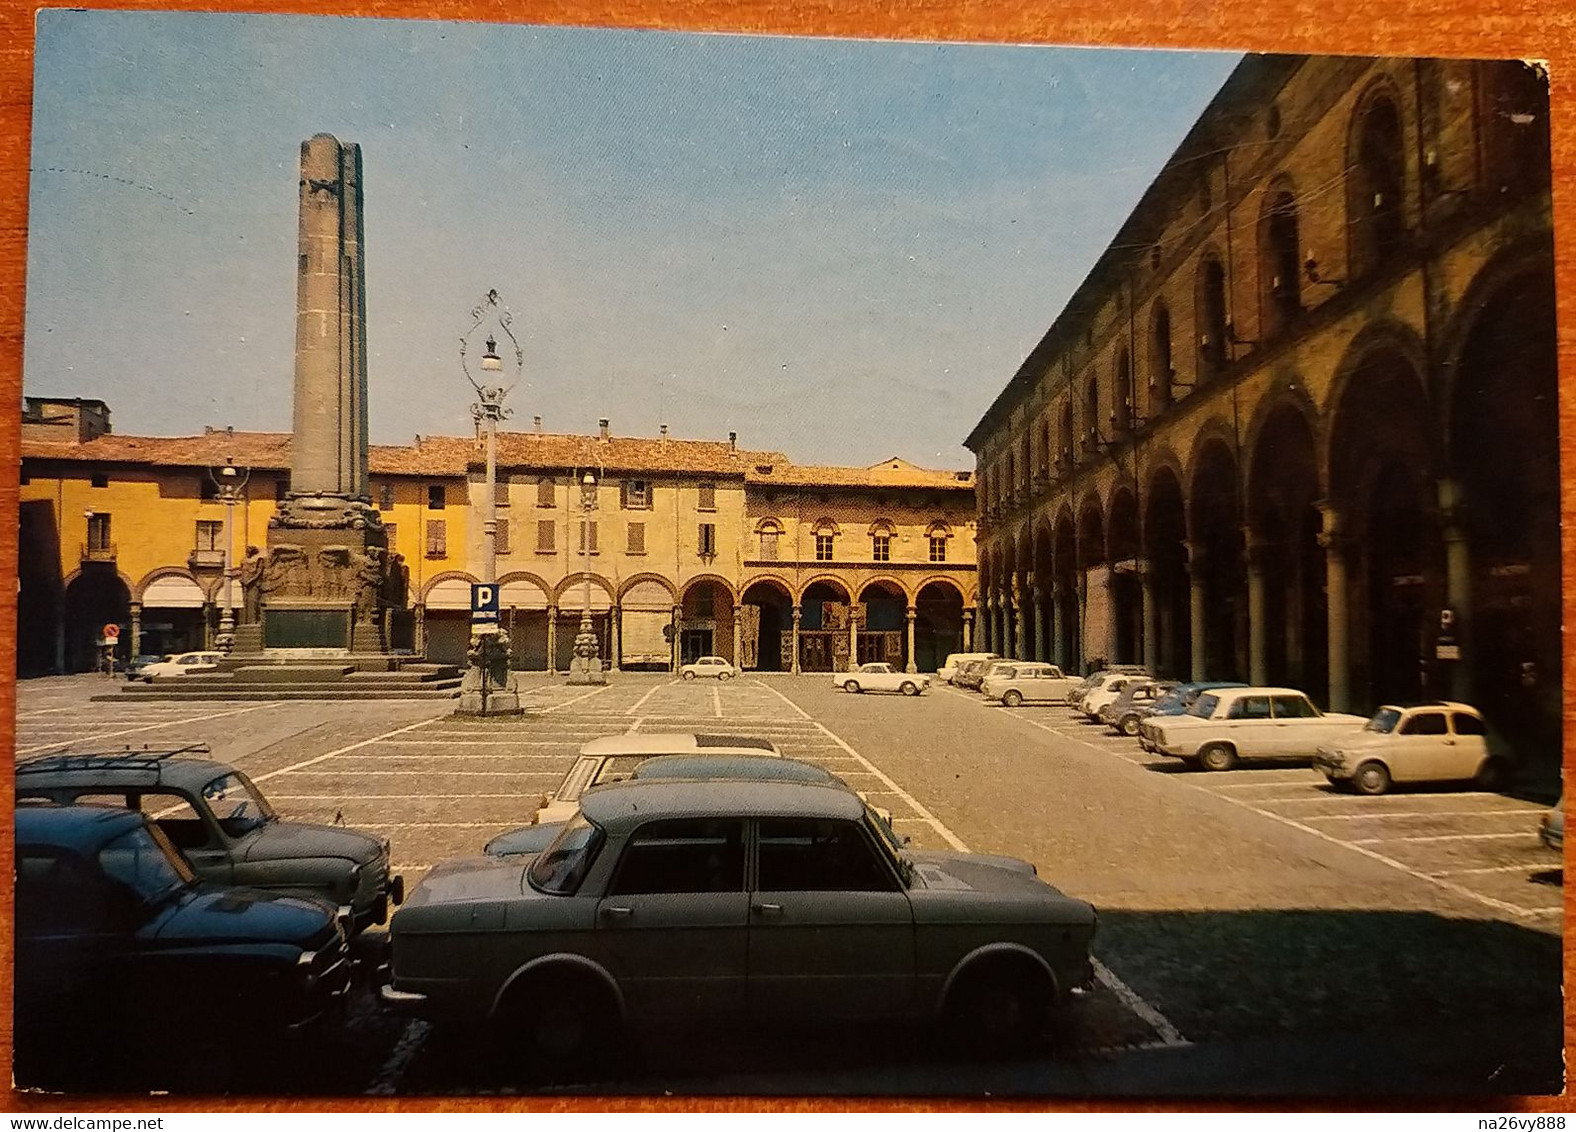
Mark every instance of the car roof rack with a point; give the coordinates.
(146, 758)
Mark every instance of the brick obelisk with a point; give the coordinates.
(326, 577)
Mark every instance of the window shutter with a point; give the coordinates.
(708, 497)
(544, 492)
(591, 533)
(544, 534)
(437, 538)
(501, 543)
(637, 538)
(391, 536)
(501, 493)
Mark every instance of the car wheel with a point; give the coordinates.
(1493, 775)
(853, 686)
(1128, 725)
(689, 676)
(1012, 699)
(999, 1008)
(909, 688)
(1217, 756)
(564, 1021)
(725, 676)
(1371, 778)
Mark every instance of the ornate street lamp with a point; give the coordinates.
(231, 482)
(587, 667)
(484, 690)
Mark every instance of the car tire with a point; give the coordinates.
(1493, 775)
(1012, 699)
(909, 688)
(689, 675)
(998, 1009)
(1217, 756)
(1371, 778)
(724, 676)
(562, 1022)
(852, 686)
(1128, 725)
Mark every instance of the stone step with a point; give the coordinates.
(188, 689)
(264, 695)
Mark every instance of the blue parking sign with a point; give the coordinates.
(484, 604)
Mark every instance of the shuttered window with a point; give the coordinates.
(708, 497)
(545, 538)
(545, 493)
(588, 536)
(437, 538)
(501, 543)
(636, 495)
(707, 540)
(637, 538)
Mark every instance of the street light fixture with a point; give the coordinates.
(230, 481)
(587, 666)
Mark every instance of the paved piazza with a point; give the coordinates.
(1259, 932)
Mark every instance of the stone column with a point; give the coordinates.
(910, 615)
(615, 628)
(1258, 629)
(208, 608)
(738, 634)
(418, 629)
(1037, 622)
(678, 629)
(1151, 615)
(968, 630)
(1333, 540)
(1009, 627)
(1058, 627)
(136, 629)
(552, 640)
(1458, 583)
(853, 636)
(1196, 610)
(798, 614)
(1113, 620)
(1081, 606)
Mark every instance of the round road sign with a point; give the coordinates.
(112, 631)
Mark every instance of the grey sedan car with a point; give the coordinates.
(765, 902)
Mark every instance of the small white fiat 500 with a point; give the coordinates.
(1442, 742)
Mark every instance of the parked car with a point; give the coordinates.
(225, 827)
(1551, 828)
(180, 664)
(1229, 725)
(120, 950)
(1178, 701)
(136, 665)
(1123, 714)
(972, 673)
(879, 677)
(1026, 682)
(708, 666)
(948, 672)
(613, 758)
(759, 767)
(1439, 742)
(567, 948)
(1104, 691)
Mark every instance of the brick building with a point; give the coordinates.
(1304, 403)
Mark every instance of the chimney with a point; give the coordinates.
(733, 442)
(537, 424)
(662, 431)
(601, 425)
(418, 440)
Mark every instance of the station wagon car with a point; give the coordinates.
(1123, 714)
(225, 827)
(1229, 725)
(760, 901)
(119, 949)
(948, 672)
(708, 666)
(611, 758)
(879, 677)
(1443, 742)
(180, 664)
(1026, 682)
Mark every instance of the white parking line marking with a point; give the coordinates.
(342, 750)
(1415, 814)
(1279, 784)
(640, 702)
(716, 701)
(1524, 867)
(1158, 1022)
(576, 700)
(1527, 836)
(97, 735)
(634, 727)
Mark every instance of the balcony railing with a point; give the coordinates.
(202, 557)
(98, 552)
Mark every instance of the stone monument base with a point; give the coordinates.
(586, 670)
(498, 700)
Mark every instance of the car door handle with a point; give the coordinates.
(617, 912)
(769, 909)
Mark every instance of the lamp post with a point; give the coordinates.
(484, 689)
(587, 666)
(230, 481)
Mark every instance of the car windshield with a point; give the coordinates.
(1384, 721)
(144, 861)
(559, 869)
(1204, 706)
(887, 838)
(236, 805)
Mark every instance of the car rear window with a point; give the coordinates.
(1293, 707)
(1467, 724)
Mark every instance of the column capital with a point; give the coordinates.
(738, 608)
(1333, 513)
(968, 616)
(136, 607)
(911, 613)
(798, 614)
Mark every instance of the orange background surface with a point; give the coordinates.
(1480, 28)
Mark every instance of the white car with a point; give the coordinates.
(1105, 691)
(612, 758)
(878, 677)
(956, 660)
(1025, 682)
(1228, 725)
(1443, 742)
(709, 666)
(179, 664)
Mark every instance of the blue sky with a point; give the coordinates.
(840, 249)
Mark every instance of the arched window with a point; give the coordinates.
(1159, 358)
(1091, 422)
(1064, 443)
(1211, 311)
(936, 536)
(1280, 262)
(1376, 184)
(881, 532)
(826, 533)
(769, 531)
(1122, 398)
(1045, 449)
